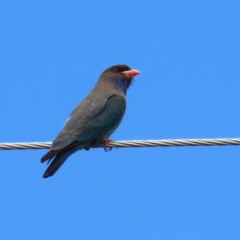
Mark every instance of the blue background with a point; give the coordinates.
(188, 52)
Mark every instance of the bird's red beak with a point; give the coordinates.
(131, 73)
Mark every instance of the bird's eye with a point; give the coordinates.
(115, 69)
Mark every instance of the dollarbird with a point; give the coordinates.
(94, 119)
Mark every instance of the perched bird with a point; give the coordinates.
(94, 119)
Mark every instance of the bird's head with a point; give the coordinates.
(119, 75)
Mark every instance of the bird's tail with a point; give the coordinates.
(57, 162)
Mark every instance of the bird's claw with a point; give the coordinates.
(105, 142)
(108, 149)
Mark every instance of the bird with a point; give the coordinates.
(94, 119)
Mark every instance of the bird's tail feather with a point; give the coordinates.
(48, 156)
(57, 162)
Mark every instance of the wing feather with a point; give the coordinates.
(94, 118)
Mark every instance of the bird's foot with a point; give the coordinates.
(105, 142)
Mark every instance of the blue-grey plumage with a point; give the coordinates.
(93, 119)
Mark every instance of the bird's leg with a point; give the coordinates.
(105, 142)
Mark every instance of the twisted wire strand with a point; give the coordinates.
(133, 143)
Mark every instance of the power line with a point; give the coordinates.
(134, 143)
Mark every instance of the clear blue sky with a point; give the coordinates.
(188, 52)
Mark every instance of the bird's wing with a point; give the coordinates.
(104, 122)
(78, 119)
(91, 118)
